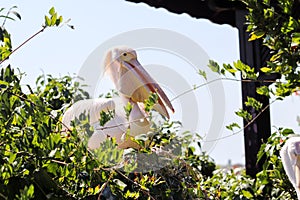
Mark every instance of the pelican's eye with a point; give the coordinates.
(126, 56)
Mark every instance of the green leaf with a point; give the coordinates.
(247, 71)
(232, 126)
(52, 11)
(53, 19)
(3, 84)
(52, 168)
(276, 56)
(35, 140)
(247, 194)
(244, 114)
(223, 71)
(12, 157)
(142, 137)
(16, 14)
(47, 21)
(253, 103)
(151, 101)
(128, 109)
(214, 66)
(295, 39)
(59, 21)
(26, 193)
(56, 138)
(120, 183)
(256, 35)
(106, 116)
(284, 89)
(287, 131)
(202, 73)
(266, 69)
(25, 172)
(263, 90)
(7, 17)
(30, 191)
(230, 69)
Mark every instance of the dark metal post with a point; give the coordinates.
(255, 55)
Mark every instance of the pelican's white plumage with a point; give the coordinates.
(291, 162)
(134, 85)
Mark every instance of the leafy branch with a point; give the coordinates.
(50, 21)
(246, 126)
(11, 11)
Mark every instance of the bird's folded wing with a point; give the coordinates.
(89, 107)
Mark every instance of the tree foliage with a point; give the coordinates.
(41, 159)
(36, 153)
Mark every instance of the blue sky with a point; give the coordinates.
(61, 51)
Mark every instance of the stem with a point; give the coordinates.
(248, 124)
(186, 92)
(105, 184)
(3, 196)
(144, 190)
(60, 162)
(220, 79)
(26, 41)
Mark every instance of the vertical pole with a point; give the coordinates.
(253, 54)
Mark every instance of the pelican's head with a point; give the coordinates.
(115, 60)
(125, 54)
(132, 80)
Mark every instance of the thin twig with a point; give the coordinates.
(184, 93)
(26, 41)
(221, 79)
(143, 189)
(133, 182)
(195, 88)
(105, 184)
(248, 124)
(2, 196)
(59, 162)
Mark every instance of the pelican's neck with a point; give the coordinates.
(137, 118)
(138, 110)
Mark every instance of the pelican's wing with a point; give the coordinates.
(115, 127)
(91, 107)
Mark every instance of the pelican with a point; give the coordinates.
(134, 86)
(290, 156)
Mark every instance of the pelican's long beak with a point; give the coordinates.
(148, 85)
(132, 80)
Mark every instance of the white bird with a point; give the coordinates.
(290, 156)
(134, 86)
